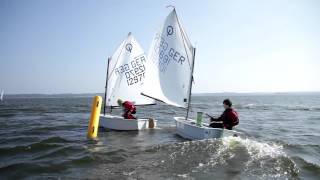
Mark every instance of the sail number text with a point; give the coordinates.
(166, 53)
(134, 70)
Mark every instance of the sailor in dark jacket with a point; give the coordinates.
(228, 119)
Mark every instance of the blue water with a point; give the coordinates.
(44, 137)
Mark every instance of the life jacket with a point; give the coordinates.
(233, 115)
(129, 106)
(230, 118)
(129, 109)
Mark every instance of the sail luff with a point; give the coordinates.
(184, 38)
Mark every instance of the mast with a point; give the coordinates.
(191, 80)
(106, 89)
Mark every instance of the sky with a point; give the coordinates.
(58, 46)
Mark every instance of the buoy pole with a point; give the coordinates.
(94, 118)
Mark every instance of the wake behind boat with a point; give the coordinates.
(125, 76)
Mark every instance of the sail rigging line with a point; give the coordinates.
(183, 38)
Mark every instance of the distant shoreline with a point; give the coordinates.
(75, 95)
(256, 93)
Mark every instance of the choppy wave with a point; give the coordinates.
(233, 157)
(303, 108)
(51, 155)
(45, 138)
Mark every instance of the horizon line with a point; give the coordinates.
(253, 92)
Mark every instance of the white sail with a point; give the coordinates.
(126, 74)
(1, 95)
(171, 58)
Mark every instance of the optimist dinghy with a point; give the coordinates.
(172, 56)
(190, 130)
(119, 123)
(125, 76)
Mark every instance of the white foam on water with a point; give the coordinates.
(266, 159)
(230, 155)
(250, 105)
(183, 175)
(248, 157)
(256, 150)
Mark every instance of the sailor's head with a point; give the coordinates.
(227, 103)
(120, 102)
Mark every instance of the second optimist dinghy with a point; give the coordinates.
(189, 129)
(172, 56)
(125, 77)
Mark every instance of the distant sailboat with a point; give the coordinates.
(1, 95)
(170, 75)
(125, 78)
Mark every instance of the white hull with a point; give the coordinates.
(119, 123)
(189, 130)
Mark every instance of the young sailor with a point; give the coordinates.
(228, 119)
(128, 109)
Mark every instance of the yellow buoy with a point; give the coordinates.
(94, 118)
